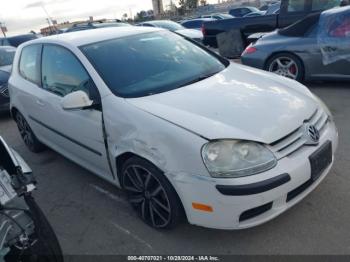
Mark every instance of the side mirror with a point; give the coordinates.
(76, 100)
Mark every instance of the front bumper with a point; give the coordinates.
(248, 210)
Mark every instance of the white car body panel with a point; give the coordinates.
(225, 101)
(169, 130)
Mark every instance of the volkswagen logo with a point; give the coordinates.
(312, 135)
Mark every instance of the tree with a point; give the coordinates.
(182, 7)
(125, 16)
(192, 4)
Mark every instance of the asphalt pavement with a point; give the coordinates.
(91, 216)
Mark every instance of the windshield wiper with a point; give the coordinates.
(198, 79)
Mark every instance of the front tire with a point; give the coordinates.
(27, 134)
(151, 194)
(287, 65)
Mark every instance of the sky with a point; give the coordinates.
(21, 16)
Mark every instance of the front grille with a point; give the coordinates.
(256, 211)
(295, 140)
(4, 91)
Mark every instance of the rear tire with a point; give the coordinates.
(151, 194)
(29, 138)
(286, 64)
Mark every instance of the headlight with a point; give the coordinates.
(236, 158)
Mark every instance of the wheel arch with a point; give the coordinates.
(122, 158)
(285, 52)
(13, 112)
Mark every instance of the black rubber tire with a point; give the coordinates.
(177, 210)
(46, 248)
(35, 145)
(298, 62)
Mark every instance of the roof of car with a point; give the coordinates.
(85, 37)
(7, 47)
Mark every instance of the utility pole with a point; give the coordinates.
(3, 29)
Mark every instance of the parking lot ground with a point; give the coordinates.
(91, 216)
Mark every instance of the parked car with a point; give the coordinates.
(94, 25)
(193, 133)
(258, 13)
(290, 12)
(15, 41)
(175, 27)
(218, 16)
(273, 9)
(7, 54)
(196, 23)
(301, 51)
(242, 11)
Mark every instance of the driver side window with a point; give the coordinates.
(62, 73)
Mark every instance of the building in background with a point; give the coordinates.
(158, 7)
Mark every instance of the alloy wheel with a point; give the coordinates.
(25, 131)
(284, 66)
(147, 195)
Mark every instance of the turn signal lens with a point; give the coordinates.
(202, 207)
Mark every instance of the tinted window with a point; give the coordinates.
(245, 11)
(17, 40)
(29, 65)
(6, 56)
(296, 5)
(193, 24)
(150, 63)
(62, 73)
(318, 5)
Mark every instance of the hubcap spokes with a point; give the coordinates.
(284, 66)
(147, 195)
(25, 131)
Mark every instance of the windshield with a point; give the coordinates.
(150, 63)
(172, 26)
(6, 56)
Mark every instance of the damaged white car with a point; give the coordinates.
(184, 132)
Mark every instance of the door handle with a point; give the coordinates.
(39, 102)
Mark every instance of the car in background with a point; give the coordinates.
(175, 27)
(7, 54)
(290, 12)
(94, 25)
(307, 50)
(258, 13)
(15, 41)
(196, 23)
(243, 10)
(218, 16)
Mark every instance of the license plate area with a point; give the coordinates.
(320, 160)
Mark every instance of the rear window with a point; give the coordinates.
(301, 27)
(319, 5)
(29, 65)
(193, 24)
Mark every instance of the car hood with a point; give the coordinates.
(190, 33)
(239, 103)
